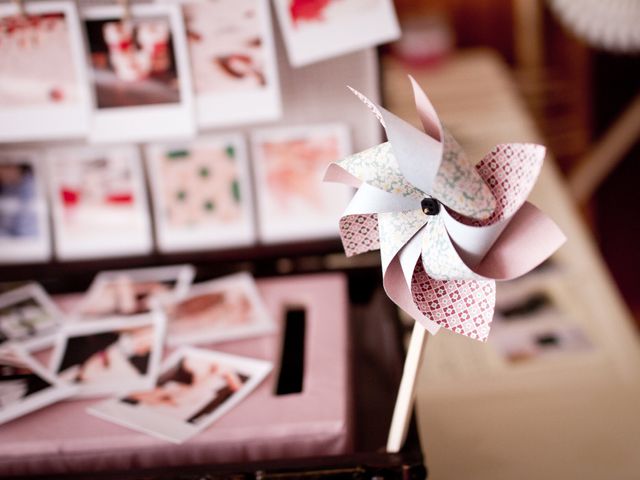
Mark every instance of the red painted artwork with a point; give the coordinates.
(309, 10)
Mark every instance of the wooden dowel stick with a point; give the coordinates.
(406, 393)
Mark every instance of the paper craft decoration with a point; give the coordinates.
(195, 389)
(288, 163)
(227, 308)
(233, 61)
(25, 386)
(140, 74)
(316, 30)
(132, 292)
(24, 225)
(43, 77)
(201, 194)
(28, 317)
(114, 356)
(98, 202)
(446, 230)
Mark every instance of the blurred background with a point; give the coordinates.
(198, 132)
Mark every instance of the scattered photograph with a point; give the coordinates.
(28, 317)
(25, 386)
(531, 324)
(227, 308)
(140, 73)
(114, 356)
(24, 226)
(98, 202)
(131, 292)
(43, 78)
(292, 200)
(195, 389)
(201, 194)
(316, 30)
(233, 61)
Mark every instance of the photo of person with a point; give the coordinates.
(28, 317)
(195, 388)
(98, 201)
(289, 164)
(24, 234)
(133, 62)
(201, 194)
(139, 73)
(110, 356)
(219, 310)
(132, 292)
(316, 30)
(25, 386)
(41, 73)
(233, 61)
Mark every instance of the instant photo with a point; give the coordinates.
(289, 163)
(43, 78)
(25, 386)
(195, 389)
(315, 31)
(114, 356)
(132, 292)
(24, 225)
(139, 73)
(201, 194)
(233, 61)
(28, 317)
(98, 202)
(224, 309)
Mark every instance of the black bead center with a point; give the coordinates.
(430, 206)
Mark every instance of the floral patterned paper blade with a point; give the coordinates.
(446, 229)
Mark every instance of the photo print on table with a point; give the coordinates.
(25, 386)
(28, 317)
(233, 61)
(43, 76)
(289, 163)
(227, 308)
(24, 224)
(532, 323)
(316, 30)
(131, 292)
(201, 194)
(196, 388)
(98, 202)
(140, 75)
(114, 356)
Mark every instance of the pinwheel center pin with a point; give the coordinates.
(430, 206)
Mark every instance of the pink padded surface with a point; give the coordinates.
(63, 438)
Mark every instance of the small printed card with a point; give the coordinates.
(130, 292)
(28, 317)
(201, 194)
(25, 386)
(289, 163)
(233, 61)
(224, 309)
(24, 225)
(140, 73)
(196, 387)
(44, 91)
(110, 357)
(321, 29)
(98, 202)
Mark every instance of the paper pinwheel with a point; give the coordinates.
(446, 230)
